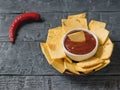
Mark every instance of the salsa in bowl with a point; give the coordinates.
(80, 44)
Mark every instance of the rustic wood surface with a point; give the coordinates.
(24, 67)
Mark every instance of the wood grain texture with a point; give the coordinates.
(104, 5)
(8, 6)
(23, 65)
(21, 83)
(37, 31)
(58, 83)
(26, 58)
(20, 6)
(23, 58)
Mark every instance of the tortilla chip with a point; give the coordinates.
(54, 43)
(87, 70)
(70, 67)
(104, 65)
(93, 61)
(59, 65)
(77, 36)
(102, 35)
(55, 34)
(55, 49)
(46, 53)
(54, 52)
(94, 25)
(68, 59)
(82, 15)
(69, 24)
(105, 51)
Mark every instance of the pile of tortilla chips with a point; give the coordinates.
(54, 53)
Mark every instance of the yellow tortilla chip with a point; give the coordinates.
(82, 15)
(70, 67)
(55, 50)
(64, 22)
(55, 34)
(102, 35)
(46, 53)
(69, 24)
(87, 70)
(77, 36)
(59, 65)
(68, 59)
(105, 51)
(104, 65)
(54, 43)
(90, 62)
(94, 25)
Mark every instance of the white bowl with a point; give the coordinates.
(78, 57)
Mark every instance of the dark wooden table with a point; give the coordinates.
(24, 67)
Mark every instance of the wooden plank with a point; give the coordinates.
(21, 83)
(23, 58)
(84, 83)
(59, 83)
(104, 84)
(8, 6)
(23, 64)
(76, 5)
(26, 58)
(118, 84)
(19, 6)
(104, 5)
(92, 5)
(38, 31)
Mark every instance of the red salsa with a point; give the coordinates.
(80, 47)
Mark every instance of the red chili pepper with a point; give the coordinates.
(19, 20)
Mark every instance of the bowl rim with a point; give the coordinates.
(80, 29)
